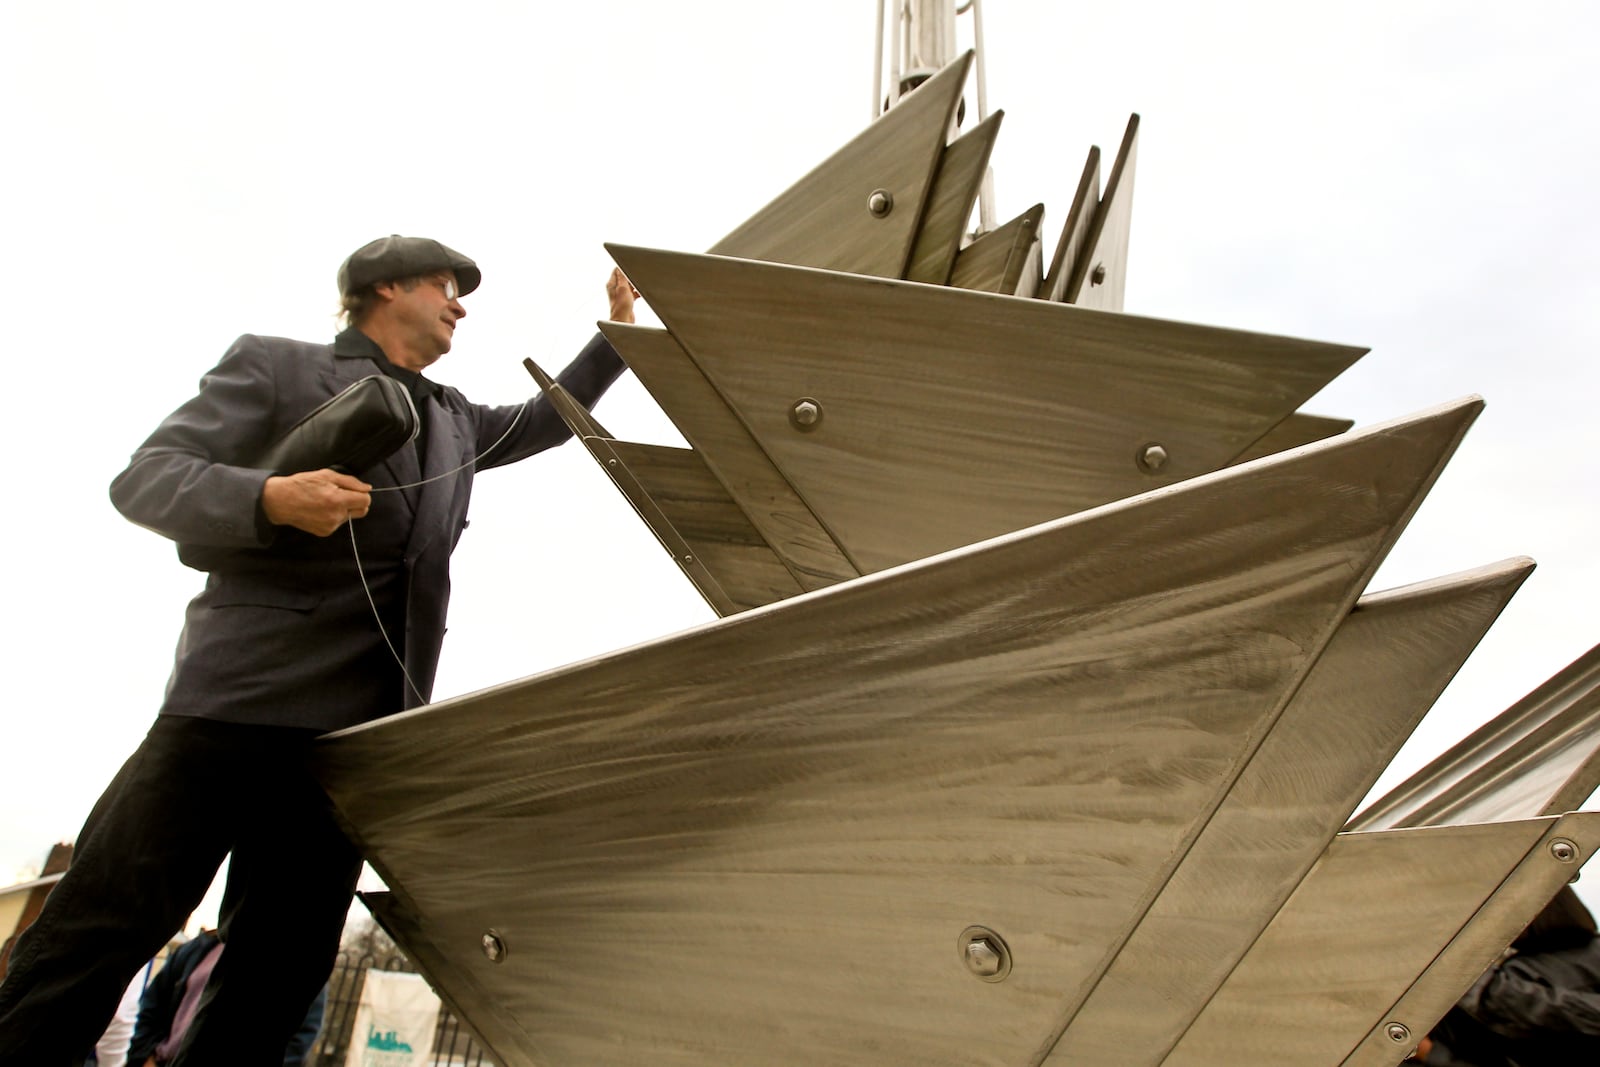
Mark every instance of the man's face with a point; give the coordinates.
(424, 316)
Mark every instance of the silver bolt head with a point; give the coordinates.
(1152, 458)
(879, 203)
(1563, 850)
(805, 414)
(982, 959)
(1398, 1033)
(493, 947)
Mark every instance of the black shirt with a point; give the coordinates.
(352, 342)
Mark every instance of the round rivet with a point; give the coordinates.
(1098, 275)
(1398, 1033)
(879, 203)
(1152, 458)
(494, 947)
(1563, 850)
(984, 953)
(688, 560)
(806, 414)
(982, 959)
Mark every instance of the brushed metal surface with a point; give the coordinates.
(998, 261)
(822, 220)
(955, 190)
(1384, 668)
(716, 532)
(763, 835)
(691, 557)
(1106, 246)
(953, 416)
(1541, 756)
(733, 455)
(1296, 430)
(1032, 266)
(1512, 905)
(665, 505)
(1338, 959)
(1075, 231)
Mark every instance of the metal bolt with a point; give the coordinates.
(1563, 850)
(984, 953)
(879, 203)
(1398, 1033)
(1098, 275)
(982, 959)
(1152, 458)
(494, 948)
(806, 414)
(687, 560)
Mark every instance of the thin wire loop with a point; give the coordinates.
(355, 550)
(469, 463)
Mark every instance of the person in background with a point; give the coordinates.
(1539, 1006)
(112, 1048)
(172, 998)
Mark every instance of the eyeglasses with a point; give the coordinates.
(447, 284)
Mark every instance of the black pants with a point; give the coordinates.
(193, 791)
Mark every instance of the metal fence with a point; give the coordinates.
(453, 1046)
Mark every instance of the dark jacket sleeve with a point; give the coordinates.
(534, 426)
(1540, 994)
(188, 481)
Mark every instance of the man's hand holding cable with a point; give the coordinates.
(318, 502)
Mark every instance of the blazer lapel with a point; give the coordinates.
(446, 451)
(406, 472)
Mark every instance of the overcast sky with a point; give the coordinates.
(1414, 177)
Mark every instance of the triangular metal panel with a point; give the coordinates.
(1075, 232)
(1032, 269)
(766, 835)
(949, 416)
(1554, 861)
(1099, 278)
(955, 188)
(998, 261)
(688, 556)
(716, 532)
(1296, 430)
(1386, 665)
(1541, 756)
(1370, 917)
(733, 455)
(826, 218)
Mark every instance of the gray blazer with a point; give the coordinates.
(283, 633)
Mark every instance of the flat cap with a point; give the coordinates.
(394, 256)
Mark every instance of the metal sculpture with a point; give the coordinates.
(1041, 696)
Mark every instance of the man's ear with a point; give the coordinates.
(384, 290)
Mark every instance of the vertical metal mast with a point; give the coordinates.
(922, 40)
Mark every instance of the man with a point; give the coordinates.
(291, 638)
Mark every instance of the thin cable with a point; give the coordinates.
(469, 463)
(378, 618)
(355, 550)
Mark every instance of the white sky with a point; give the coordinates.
(1416, 177)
